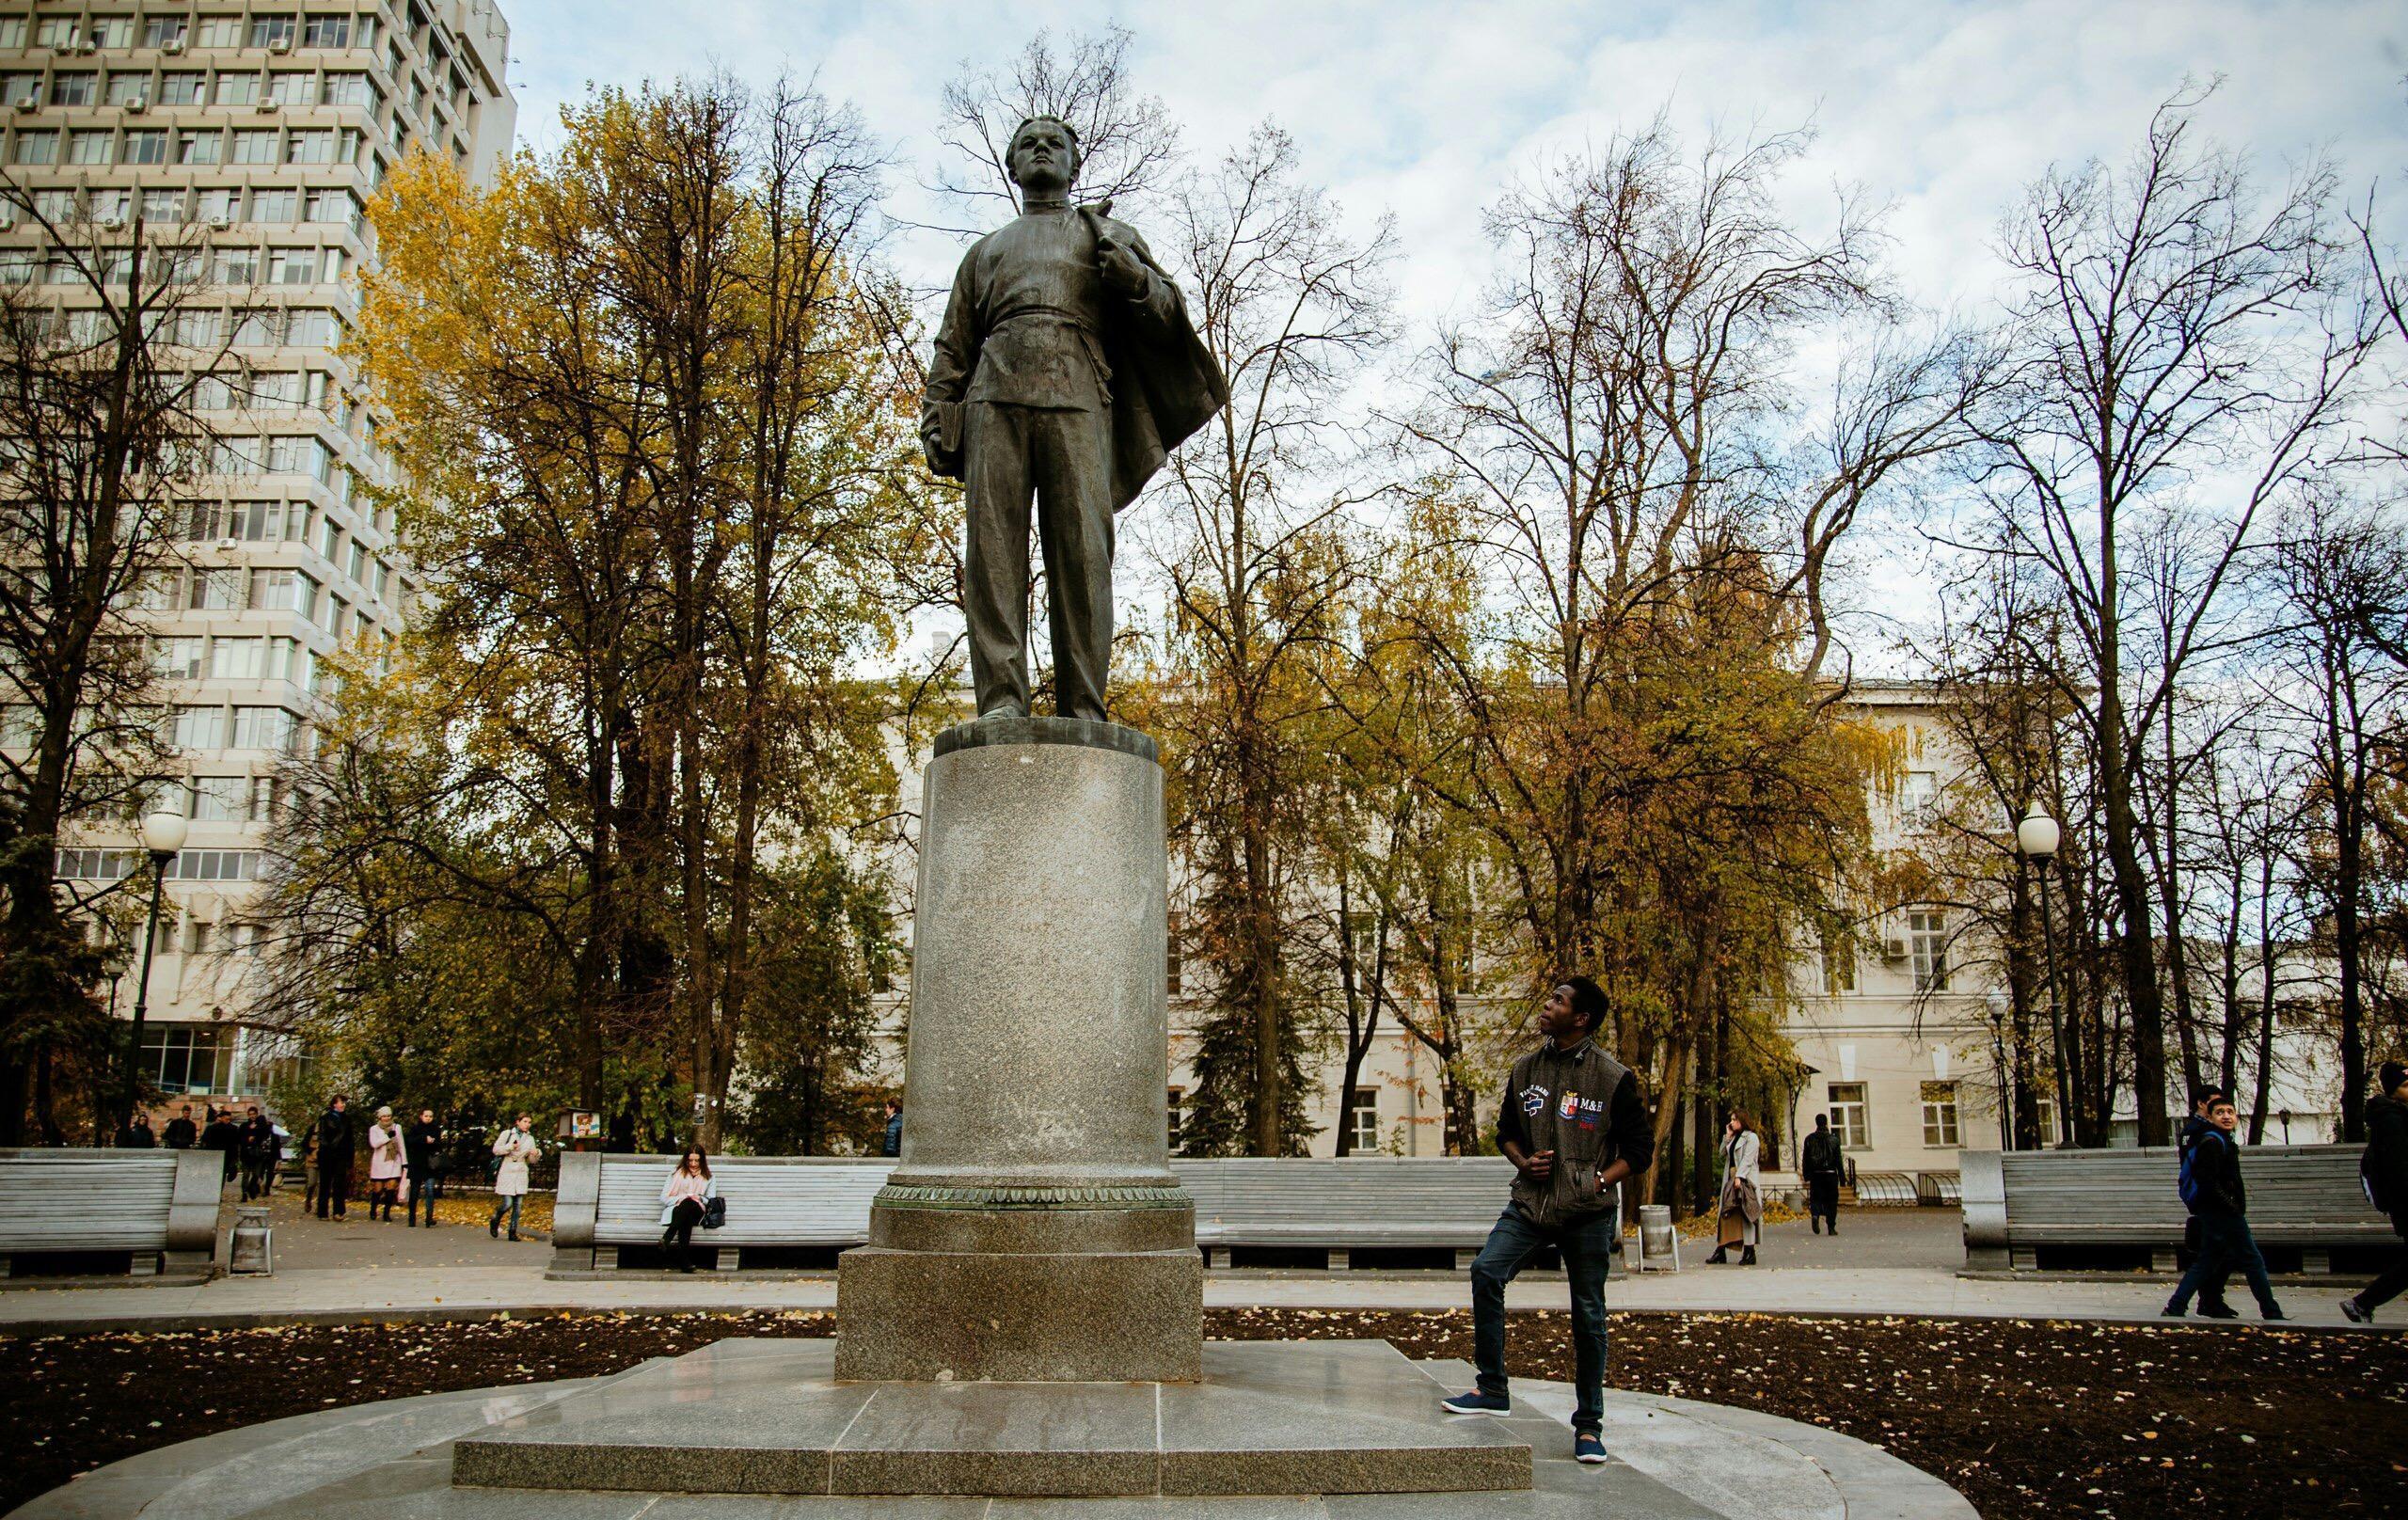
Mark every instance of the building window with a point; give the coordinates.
(158, 31)
(1363, 1120)
(216, 590)
(1839, 962)
(267, 31)
(74, 90)
(292, 88)
(176, 659)
(274, 207)
(125, 88)
(98, 865)
(255, 148)
(1172, 959)
(1918, 794)
(238, 659)
(1927, 941)
(221, 32)
(263, 728)
(13, 31)
(87, 147)
(196, 728)
(325, 31)
(2047, 1117)
(145, 148)
(238, 90)
(37, 147)
(186, 1059)
(216, 865)
(1850, 1118)
(293, 266)
(1940, 1114)
(221, 798)
(1177, 1098)
(110, 31)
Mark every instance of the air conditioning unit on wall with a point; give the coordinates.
(1893, 948)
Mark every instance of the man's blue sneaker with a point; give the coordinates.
(1476, 1402)
(1587, 1447)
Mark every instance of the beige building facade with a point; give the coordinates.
(253, 134)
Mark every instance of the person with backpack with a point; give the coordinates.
(2383, 1170)
(2211, 1302)
(2212, 1191)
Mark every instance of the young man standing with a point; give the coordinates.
(893, 1145)
(422, 1150)
(1573, 1123)
(2211, 1188)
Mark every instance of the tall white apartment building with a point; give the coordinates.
(261, 129)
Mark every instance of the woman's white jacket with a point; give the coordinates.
(710, 1191)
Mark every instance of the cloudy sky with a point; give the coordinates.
(1427, 109)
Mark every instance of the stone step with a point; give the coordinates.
(768, 1417)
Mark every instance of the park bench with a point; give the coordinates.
(798, 1211)
(2076, 1210)
(71, 1213)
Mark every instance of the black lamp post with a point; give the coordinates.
(163, 835)
(2038, 837)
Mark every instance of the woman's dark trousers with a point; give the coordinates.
(679, 1236)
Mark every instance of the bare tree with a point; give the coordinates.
(2181, 345)
(2343, 574)
(104, 352)
(1128, 146)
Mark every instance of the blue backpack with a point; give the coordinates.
(2187, 1179)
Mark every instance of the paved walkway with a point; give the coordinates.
(1883, 1263)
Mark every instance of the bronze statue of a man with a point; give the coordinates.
(1066, 368)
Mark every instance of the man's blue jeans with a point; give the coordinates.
(2225, 1245)
(1586, 1247)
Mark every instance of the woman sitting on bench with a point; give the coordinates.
(683, 1200)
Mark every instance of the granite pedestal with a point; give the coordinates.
(1033, 1230)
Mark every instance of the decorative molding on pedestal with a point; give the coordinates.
(897, 1197)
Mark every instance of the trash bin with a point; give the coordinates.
(1658, 1245)
(252, 1251)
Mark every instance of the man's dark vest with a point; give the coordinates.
(1567, 1107)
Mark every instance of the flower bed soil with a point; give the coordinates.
(2026, 1419)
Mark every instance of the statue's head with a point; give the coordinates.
(1044, 155)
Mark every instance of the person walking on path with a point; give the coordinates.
(517, 1147)
(261, 1152)
(422, 1151)
(224, 1136)
(1573, 1123)
(1740, 1209)
(2385, 1172)
(893, 1143)
(384, 1164)
(336, 1141)
(138, 1133)
(309, 1168)
(2213, 1190)
(181, 1133)
(2194, 1128)
(684, 1199)
(1821, 1160)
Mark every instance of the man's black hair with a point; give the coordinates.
(2210, 1097)
(1587, 1002)
(1822, 1121)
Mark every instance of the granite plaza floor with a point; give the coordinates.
(683, 1417)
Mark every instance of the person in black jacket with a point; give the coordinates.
(893, 1145)
(181, 1131)
(1820, 1160)
(2385, 1170)
(138, 1133)
(422, 1153)
(1573, 1123)
(224, 1136)
(261, 1152)
(337, 1141)
(2194, 1128)
(2220, 1202)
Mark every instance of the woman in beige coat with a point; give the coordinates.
(1740, 1210)
(516, 1146)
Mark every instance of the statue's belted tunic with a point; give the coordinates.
(1050, 383)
